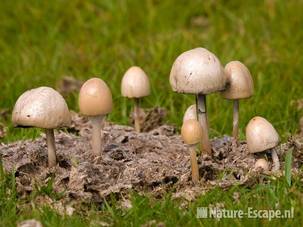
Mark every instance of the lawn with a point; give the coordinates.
(43, 41)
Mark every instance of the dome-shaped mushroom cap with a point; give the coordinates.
(197, 71)
(191, 132)
(95, 98)
(190, 113)
(261, 135)
(135, 83)
(41, 107)
(262, 163)
(240, 84)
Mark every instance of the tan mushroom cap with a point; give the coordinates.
(191, 132)
(135, 83)
(262, 163)
(41, 107)
(197, 71)
(261, 135)
(95, 98)
(239, 80)
(190, 113)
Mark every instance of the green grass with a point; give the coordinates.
(42, 41)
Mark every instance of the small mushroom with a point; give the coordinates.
(261, 164)
(45, 108)
(198, 72)
(190, 113)
(135, 85)
(191, 133)
(239, 86)
(95, 101)
(262, 136)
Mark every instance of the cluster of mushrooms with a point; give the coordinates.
(197, 71)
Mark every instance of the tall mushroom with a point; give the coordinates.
(198, 72)
(95, 101)
(45, 108)
(135, 85)
(191, 133)
(262, 136)
(190, 113)
(239, 86)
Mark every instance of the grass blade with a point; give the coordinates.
(288, 164)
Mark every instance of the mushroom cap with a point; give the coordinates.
(197, 71)
(190, 113)
(135, 83)
(41, 107)
(191, 131)
(95, 98)
(261, 135)
(240, 84)
(262, 163)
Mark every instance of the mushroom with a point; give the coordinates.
(239, 86)
(135, 85)
(95, 101)
(190, 113)
(261, 164)
(45, 108)
(198, 72)
(262, 136)
(191, 133)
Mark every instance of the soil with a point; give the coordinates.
(152, 162)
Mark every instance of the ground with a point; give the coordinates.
(43, 42)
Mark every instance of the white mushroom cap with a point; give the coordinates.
(190, 113)
(197, 71)
(239, 81)
(261, 135)
(95, 98)
(262, 163)
(191, 132)
(135, 83)
(41, 107)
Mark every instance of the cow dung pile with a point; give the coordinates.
(152, 162)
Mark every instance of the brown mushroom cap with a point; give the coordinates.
(190, 113)
(239, 80)
(135, 83)
(41, 107)
(261, 135)
(191, 132)
(197, 71)
(95, 98)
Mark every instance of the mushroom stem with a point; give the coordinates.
(202, 117)
(51, 148)
(194, 164)
(137, 115)
(97, 134)
(275, 160)
(236, 120)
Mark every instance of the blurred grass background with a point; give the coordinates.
(42, 41)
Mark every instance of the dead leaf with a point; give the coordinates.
(69, 85)
(3, 131)
(150, 118)
(30, 223)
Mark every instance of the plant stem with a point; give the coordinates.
(137, 115)
(97, 134)
(275, 160)
(51, 148)
(194, 164)
(202, 117)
